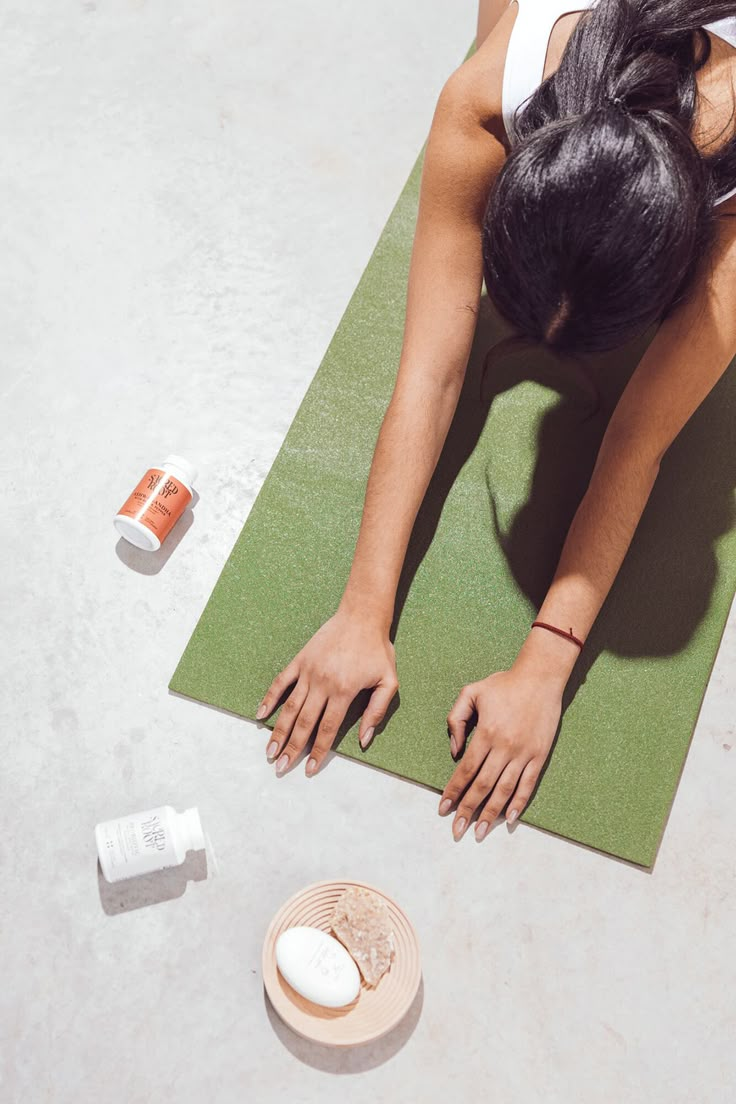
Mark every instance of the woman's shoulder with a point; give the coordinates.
(477, 84)
(479, 81)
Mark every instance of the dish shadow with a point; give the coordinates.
(356, 1059)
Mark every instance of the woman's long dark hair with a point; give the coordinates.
(602, 212)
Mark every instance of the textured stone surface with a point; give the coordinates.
(190, 194)
(362, 922)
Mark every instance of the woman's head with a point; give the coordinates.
(602, 213)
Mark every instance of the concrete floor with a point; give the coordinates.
(190, 193)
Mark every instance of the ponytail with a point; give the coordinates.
(603, 210)
(644, 54)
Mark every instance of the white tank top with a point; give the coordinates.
(527, 51)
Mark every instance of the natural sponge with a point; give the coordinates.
(361, 922)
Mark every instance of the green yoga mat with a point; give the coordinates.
(483, 551)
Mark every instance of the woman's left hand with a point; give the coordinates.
(517, 717)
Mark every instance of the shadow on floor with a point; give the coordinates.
(354, 1059)
(150, 563)
(151, 889)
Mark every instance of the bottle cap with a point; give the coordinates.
(137, 533)
(192, 825)
(187, 470)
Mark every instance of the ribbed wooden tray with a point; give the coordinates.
(374, 1012)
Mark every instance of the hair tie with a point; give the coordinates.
(618, 101)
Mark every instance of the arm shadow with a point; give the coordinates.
(666, 582)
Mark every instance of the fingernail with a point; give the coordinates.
(260, 712)
(445, 806)
(459, 827)
(453, 746)
(282, 764)
(311, 766)
(512, 816)
(271, 750)
(367, 736)
(480, 831)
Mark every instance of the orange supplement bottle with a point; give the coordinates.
(156, 504)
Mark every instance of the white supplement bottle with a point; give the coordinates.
(143, 842)
(156, 503)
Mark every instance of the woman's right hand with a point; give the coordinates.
(349, 653)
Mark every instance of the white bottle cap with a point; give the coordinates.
(136, 533)
(191, 828)
(179, 463)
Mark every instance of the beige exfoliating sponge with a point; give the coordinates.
(361, 921)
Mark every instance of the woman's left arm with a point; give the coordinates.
(518, 710)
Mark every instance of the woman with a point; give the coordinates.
(602, 206)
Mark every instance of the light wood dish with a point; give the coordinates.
(374, 1012)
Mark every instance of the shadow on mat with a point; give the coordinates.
(665, 584)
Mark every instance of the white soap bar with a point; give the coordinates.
(317, 966)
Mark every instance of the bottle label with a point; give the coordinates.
(136, 845)
(157, 502)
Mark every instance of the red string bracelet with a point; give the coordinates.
(560, 632)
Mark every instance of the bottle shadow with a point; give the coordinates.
(150, 563)
(151, 889)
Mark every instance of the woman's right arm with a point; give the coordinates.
(352, 650)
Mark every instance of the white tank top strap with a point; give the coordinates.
(724, 28)
(724, 197)
(527, 51)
